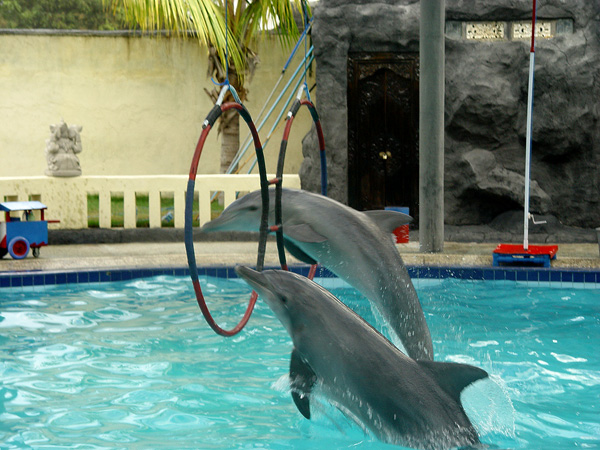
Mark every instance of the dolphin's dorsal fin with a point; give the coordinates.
(302, 379)
(388, 221)
(303, 232)
(453, 377)
(297, 252)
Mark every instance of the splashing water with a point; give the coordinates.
(134, 365)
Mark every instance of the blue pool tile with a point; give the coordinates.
(104, 276)
(533, 275)
(72, 277)
(83, 277)
(181, 272)
(499, 275)
(442, 273)
(589, 277)
(142, 273)
(126, 275)
(61, 278)
(476, 274)
(431, 272)
(438, 272)
(567, 277)
(94, 277)
(328, 273)
(145, 273)
(116, 275)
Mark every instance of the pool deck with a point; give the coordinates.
(172, 254)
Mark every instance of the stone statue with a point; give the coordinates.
(62, 149)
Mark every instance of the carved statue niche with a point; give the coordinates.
(61, 150)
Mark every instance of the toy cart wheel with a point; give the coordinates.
(35, 252)
(18, 247)
(3, 252)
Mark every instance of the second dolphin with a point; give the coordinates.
(354, 245)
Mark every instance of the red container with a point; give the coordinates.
(401, 233)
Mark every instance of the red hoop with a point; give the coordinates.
(189, 242)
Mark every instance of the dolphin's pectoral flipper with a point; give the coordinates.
(304, 233)
(302, 379)
(453, 377)
(296, 252)
(388, 221)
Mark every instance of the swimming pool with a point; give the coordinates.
(132, 364)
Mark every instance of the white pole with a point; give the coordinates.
(529, 129)
(528, 151)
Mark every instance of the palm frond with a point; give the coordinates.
(201, 18)
(259, 13)
(205, 19)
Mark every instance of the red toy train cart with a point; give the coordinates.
(20, 232)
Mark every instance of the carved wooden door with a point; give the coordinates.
(383, 131)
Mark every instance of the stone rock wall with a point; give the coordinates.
(485, 111)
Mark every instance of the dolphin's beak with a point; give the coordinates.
(255, 279)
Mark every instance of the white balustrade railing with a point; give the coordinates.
(67, 198)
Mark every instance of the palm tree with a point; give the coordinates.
(229, 49)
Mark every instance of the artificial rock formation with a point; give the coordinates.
(485, 105)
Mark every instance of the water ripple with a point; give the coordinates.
(134, 365)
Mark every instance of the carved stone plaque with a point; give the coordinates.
(522, 29)
(490, 31)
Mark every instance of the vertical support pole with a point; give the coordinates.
(431, 126)
(529, 129)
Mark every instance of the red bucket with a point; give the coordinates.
(401, 233)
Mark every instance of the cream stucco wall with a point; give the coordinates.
(140, 100)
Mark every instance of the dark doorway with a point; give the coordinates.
(383, 131)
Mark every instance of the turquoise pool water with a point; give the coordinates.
(133, 365)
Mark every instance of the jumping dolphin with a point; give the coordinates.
(356, 246)
(402, 401)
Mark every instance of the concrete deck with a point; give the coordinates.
(172, 254)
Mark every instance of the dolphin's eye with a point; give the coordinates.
(284, 299)
(252, 208)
